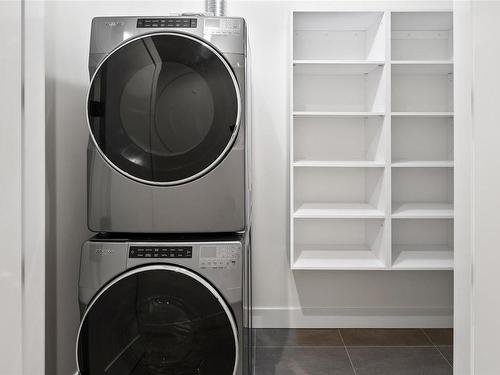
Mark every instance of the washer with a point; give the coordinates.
(165, 306)
(167, 116)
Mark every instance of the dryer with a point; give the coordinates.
(165, 306)
(169, 138)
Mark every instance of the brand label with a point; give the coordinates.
(104, 251)
(114, 23)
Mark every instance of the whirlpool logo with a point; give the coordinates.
(114, 23)
(103, 252)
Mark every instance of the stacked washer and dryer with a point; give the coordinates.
(165, 283)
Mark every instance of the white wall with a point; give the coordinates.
(281, 298)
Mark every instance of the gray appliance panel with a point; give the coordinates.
(218, 262)
(226, 33)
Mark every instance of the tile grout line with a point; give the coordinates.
(436, 347)
(347, 352)
(341, 346)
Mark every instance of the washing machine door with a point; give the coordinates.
(164, 108)
(158, 320)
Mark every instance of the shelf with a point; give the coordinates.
(337, 211)
(422, 114)
(338, 164)
(423, 257)
(335, 67)
(337, 114)
(422, 210)
(336, 257)
(423, 164)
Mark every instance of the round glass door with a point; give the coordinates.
(158, 320)
(164, 108)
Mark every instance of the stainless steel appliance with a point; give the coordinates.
(177, 305)
(168, 149)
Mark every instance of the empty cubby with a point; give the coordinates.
(423, 36)
(339, 88)
(339, 244)
(422, 139)
(339, 36)
(422, 192)
(422, 244)
(339, 192)
(330, 139)
(422, 88)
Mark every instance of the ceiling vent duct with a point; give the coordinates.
(216, 7)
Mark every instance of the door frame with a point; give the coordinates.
(463, 238)
(22, 217)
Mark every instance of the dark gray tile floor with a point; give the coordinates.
(353, 352)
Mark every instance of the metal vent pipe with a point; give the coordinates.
(216, 7)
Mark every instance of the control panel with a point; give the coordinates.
(218, 256)
(160, 252)
(167, 22)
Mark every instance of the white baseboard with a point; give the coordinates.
(277, 317)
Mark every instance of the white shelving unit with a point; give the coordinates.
(371, 140)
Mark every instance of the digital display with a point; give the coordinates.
(160, 252)
(167, 22)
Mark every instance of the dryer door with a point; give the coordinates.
(158, 320)
(164, 108)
